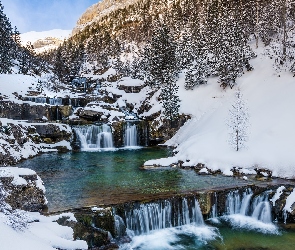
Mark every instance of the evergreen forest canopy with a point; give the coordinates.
(155, 40)
(206, 38)
(15, 58)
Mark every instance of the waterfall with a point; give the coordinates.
(233, 202)
(37, 99)
(55, 101)
(40, 100)
(163, 214)
(131, 135)
(257, 208)
(95, 137)
(261, 209)
(214, 210)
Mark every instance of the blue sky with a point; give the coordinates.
(42, 15)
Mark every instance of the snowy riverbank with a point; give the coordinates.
(204, 139)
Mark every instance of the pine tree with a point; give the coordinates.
(161, 66)
(238, 123)
(7, 44)
(197, 73)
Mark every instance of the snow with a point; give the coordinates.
(270, 100)
(290, 202)
(164, 162)
(34, 36)
(204, 171)
(127, 81)
(277, 195)
(16, 173)
(40, 233)
(14, 83)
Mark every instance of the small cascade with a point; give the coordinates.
(261, 208)
(214, 210)
(120, 228)
(164, 214)
(40, 100)
(233, 202)
(131, 139)
(258, 207)
(95, 137)
(55, 101)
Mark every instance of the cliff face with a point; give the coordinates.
(98, 10)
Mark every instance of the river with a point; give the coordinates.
(81, 179)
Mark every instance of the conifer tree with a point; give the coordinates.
(238, 123)
(160, 57)
(6, 43)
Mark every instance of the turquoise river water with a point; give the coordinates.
(74, 180)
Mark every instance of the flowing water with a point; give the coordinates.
(131, 139)
(111, 177)
(94, 138)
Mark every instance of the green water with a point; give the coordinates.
(92, 178)
(246, 240)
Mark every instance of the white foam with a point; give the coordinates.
(170, 238)
(250, 223)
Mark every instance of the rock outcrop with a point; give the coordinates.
(24, 189)
(98, 10)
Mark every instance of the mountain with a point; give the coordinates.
(98, 10)
(45, 40)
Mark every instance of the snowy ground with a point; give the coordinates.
(271, 140)
(35, 231)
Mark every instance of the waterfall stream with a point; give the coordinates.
(94, 137)
(131, 139)
(163, 214)
(257, 207)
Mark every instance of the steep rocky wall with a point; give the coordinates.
(20, 140)
(36, 112)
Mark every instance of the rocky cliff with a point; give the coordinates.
(98, 10)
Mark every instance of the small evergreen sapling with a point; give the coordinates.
(238, 123)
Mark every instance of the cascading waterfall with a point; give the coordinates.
(55, 101)
(261, 209)
(42, 100)
(95, 137)
(131, 135)
(258, 209)
(214, 212)
(164, 214)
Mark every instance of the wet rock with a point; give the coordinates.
(118, 133)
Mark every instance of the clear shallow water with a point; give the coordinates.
(92, 178)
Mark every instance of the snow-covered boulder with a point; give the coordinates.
(24, 188)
